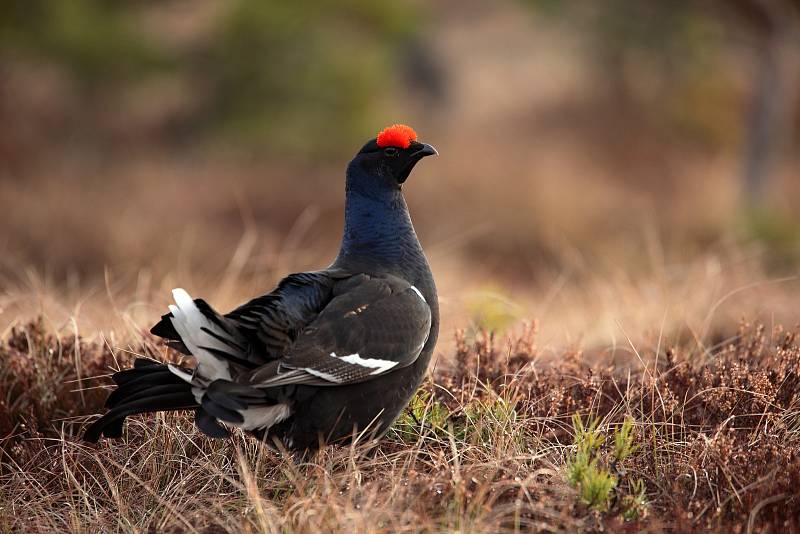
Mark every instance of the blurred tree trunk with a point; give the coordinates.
(774, 88)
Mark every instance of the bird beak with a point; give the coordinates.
(424, 150)
(419, 151)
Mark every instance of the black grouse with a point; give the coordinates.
(328, 354)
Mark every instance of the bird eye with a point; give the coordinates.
(390, 151)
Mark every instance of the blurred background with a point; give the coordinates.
(614, 168)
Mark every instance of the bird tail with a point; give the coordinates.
(194, 328)
(148, 387)
(156, 387)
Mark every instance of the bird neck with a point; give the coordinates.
(378, 232)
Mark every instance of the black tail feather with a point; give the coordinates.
(221, 412)
(154, 391)
(165, 329)
(141, 367)
(142, 384)
(148, 387)
(209, 425)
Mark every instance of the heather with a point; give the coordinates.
(501, 438)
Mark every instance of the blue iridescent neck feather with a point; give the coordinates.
(377, 225)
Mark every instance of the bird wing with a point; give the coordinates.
(253, 334)
(270, 323)
(371, 326)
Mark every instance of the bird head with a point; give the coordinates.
(389, 158)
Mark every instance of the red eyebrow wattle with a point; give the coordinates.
(397, 135)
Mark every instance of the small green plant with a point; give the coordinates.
(594, 482)
(634, 504)
(587, 437)
(597, 487)
(623, 441)
(578, 467)
(594, 472)
(423, 411)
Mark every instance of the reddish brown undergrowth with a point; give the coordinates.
(488, 444)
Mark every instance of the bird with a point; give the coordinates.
(325, 357)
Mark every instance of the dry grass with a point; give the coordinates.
(487, 445)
